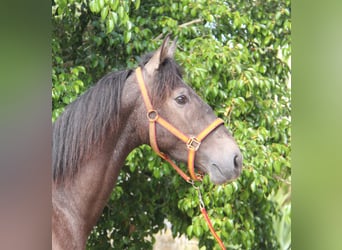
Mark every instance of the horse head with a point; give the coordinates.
(218, 155)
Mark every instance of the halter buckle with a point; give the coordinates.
(193, 143)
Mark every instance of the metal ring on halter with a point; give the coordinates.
(193, 143)
(152, 115)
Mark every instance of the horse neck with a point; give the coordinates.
(78, 203)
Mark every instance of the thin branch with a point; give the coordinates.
(198, 20)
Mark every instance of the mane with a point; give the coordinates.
(84, 123)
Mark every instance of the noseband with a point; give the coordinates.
(192, 143)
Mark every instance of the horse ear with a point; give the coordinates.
(172, 49)
(164, 49)
(161, 54)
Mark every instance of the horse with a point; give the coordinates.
(96, 132)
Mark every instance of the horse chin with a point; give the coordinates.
(218, 180)
(216, 176)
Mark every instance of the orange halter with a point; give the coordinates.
(192, 143)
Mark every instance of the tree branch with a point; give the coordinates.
(198, 20)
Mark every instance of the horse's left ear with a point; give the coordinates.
(161, 54)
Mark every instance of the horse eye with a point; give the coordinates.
(181, 100)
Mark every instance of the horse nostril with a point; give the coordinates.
(237, 161)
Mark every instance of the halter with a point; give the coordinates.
(192, 143)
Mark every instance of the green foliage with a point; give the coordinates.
(282, 223)
(235, 55)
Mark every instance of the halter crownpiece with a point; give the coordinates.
(192, 143)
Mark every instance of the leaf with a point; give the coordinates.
(137, 4)
(109, 25)
(253, 186)
(100, 4)
(189, 231)
(129, 25)
(77, 89)
(132, 167)
(120, 12)
(93, 6)
(277, 167)
(104, 13)
(197, 229)
(114, 17)
(228, 191)
(193, 12)
(114, 4)
(127, 36)
(228, 209)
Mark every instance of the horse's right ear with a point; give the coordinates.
(160, 55)
(172, 49)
